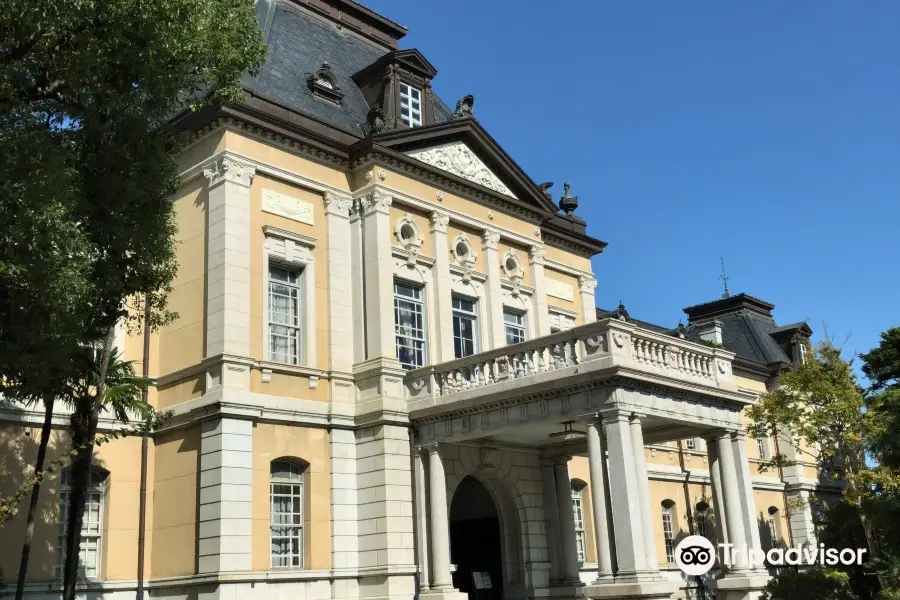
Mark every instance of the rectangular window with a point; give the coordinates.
(286, 521)
(690, 444)
(760, 448)
(560, 322)
(702, 524)
(465, 327)
(284, 315)
(91, 527)
(409, 325)
(514, 323)
(668, 534)
(578, 513)
(410, 105)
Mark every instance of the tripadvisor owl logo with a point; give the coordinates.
(695, 555)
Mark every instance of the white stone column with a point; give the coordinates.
(551, 516)
(340, 289)
(643, 487)
(745, 486)
(715, 476)
(493, 290)
(422, 519)
(624, 495)
(443, 288)
(586, 286)
(440, 521)
(226, 486)
(732, 500)
(597, 463)
(570, 568)
(379, 274)
(539, 314)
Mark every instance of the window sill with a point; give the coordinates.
(285, 368)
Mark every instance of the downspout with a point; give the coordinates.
(142, 514)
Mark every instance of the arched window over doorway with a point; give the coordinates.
(578, 513)
(668, 523)
(773, 526)
(702, 519)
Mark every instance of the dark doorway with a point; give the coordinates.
(475, 540)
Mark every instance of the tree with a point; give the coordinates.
(814, 584)
(86, 166)
(882, 364)
(822, 403)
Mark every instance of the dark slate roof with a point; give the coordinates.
(748, 328)
(298, 44)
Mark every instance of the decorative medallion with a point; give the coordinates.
(287, 206)
(458, 159)
(491, 215)
(440, 196)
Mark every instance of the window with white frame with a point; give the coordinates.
(578, 514)
(772, 525)
(668, 521)
(410, 105)
(760, 447)
(286, 513)
(409, 324)
(91, 524)
(514, 324)
(703, 519)
(465, 326)
(284, 314)
(690, 444)
(803, 352)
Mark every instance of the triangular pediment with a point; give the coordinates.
(458, 159)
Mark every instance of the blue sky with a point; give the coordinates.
(767, 133)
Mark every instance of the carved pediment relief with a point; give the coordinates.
(458, 159)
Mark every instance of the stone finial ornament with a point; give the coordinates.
(545, 187)
(464, 107)
(568, 203)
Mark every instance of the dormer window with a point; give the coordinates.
(324, 84)
(410, 105)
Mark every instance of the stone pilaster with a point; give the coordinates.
(344, 501)
(551, 515)
(423, 542)
(228, 274)
(226, 486)
(340, 288)
(440, 521)
(443, 288)
(496, 337)
(378, 274)
(586, 287)
(540, 318)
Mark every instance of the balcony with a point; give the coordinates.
(678, 383)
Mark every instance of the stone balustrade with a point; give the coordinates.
(618, 344)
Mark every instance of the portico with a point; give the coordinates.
(512, 418)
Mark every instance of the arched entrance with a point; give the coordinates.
(475, 539)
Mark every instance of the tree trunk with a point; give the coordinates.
(35, 493)
(84, 430)
(872, 543)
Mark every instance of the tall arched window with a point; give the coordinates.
(668, 521)
(702, 519)
(286, 512)
(772, 525)
(91, 524)
(578, 513)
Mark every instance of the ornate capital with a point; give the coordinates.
(537, 254)
(231, 170)
(587, 284)
(336, 204)
(376, 201)
(439, 221)
(490, 239)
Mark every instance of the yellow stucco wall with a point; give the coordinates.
(173, 551)
(311, 446)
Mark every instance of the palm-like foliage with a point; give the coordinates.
(122, 387)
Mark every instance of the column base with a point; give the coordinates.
(632, 590)
(443, 593)
(741, 586)
(567, 591)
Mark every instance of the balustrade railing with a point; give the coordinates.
(622, 343)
